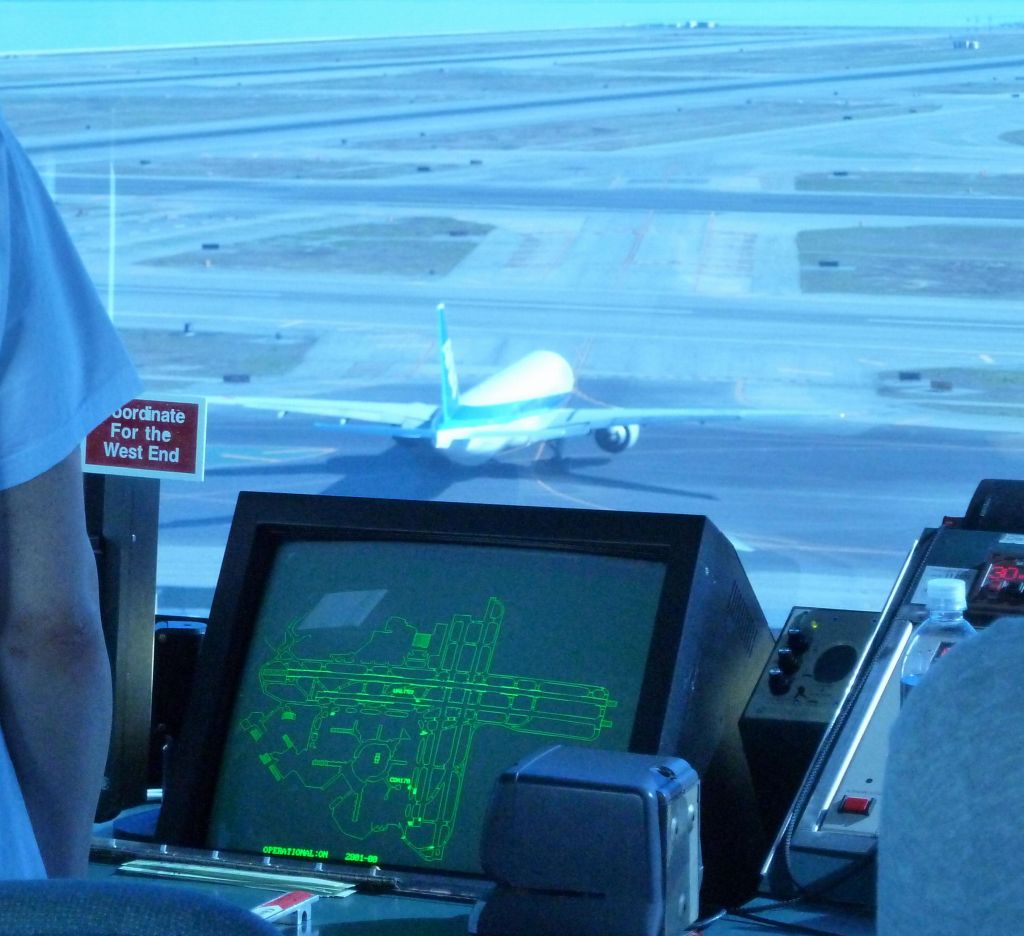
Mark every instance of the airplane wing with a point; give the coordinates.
(409, 420)
(563, 422)
(607, 417)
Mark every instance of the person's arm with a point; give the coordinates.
(55, 692)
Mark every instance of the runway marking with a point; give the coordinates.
(568, 243)
(805, 372)
(581, 360)
(938, 323)
(709, 233)
(568, 497)
(426, 356)
(638, 239)
(411, 328)
(265, 321)
(193, 317)
(974, 401)
(779, 543)
(275, 456)
(258, 459)
(302, 452)
(592, 399)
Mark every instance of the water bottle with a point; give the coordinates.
(936, 634)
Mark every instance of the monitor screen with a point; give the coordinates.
(372, 666)
(388, 683)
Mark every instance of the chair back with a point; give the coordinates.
(120, 908)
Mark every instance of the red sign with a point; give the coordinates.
(151, 438)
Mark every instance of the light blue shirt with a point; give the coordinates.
(62, 371)
(19, 856)
(62, 366)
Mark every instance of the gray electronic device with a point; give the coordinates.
(582, 842)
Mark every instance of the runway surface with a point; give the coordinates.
(637, 200)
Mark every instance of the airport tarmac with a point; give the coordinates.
(638, 200)
(803, 508)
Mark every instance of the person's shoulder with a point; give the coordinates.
(997, 646)
(8, 145)
(949, 696)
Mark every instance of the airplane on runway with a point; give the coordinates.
(523, 404)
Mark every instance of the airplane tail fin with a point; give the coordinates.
(449, 378)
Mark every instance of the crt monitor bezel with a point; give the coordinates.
(264, 520)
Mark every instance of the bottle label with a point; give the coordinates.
(942, 649)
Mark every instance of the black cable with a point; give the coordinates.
(781, 925)
(826, 885)
(698, 926)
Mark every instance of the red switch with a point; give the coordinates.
(856, 805)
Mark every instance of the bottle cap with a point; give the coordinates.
(947, 594)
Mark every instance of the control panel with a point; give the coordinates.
(834, 818)
(1000, 589)
(810, 671)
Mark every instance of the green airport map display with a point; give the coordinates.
(363, 735)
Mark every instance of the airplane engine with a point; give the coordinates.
(617, 438)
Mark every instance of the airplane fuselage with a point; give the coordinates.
(506, 410)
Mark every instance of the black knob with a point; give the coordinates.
(798, 639)
(778, 681)
(787, 661)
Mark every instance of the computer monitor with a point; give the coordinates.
(371, 666)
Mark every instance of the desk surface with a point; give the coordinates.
(392, 915)
(367, 914)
